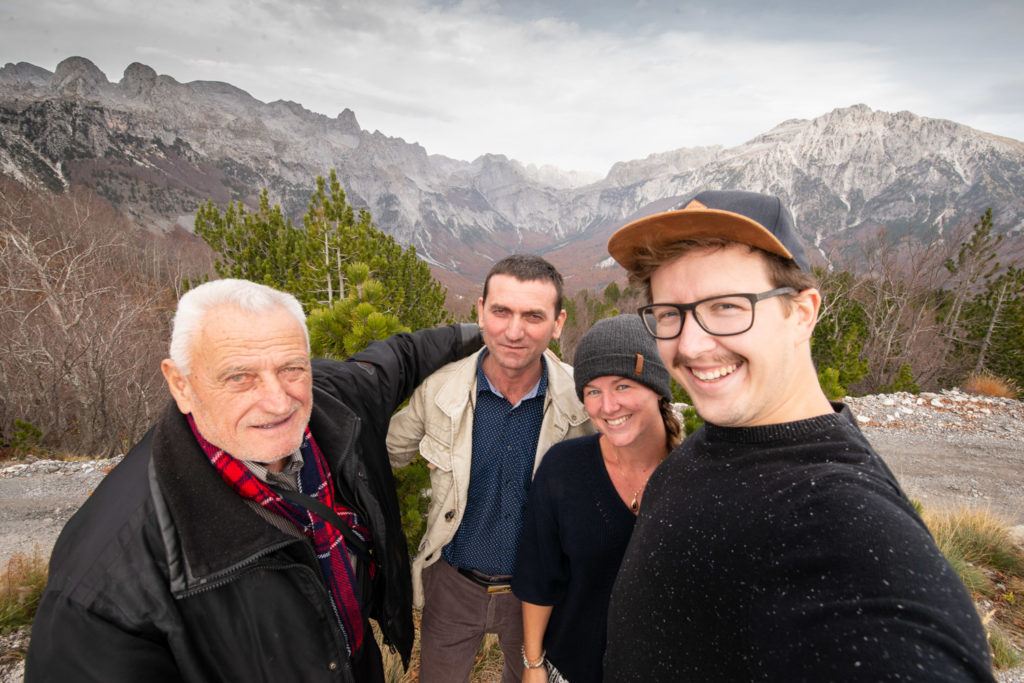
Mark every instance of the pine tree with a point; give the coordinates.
(338, 236)
(985, 311)
(995, 326)
(261, 245)
(839, 336)
(974, 263)
(348, 325)
(311, 262)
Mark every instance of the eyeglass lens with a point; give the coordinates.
(721, 316)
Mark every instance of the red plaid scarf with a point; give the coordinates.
(314, 479)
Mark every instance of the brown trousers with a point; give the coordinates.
(456, 614)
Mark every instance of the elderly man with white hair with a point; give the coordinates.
(255, 529)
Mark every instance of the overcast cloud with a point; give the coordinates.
(574, 83)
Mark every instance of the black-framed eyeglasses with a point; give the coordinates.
(722, 316)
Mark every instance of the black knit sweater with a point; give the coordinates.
(787, 553)
(575, 530)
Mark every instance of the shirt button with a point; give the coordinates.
(450, 515)
(332, 666)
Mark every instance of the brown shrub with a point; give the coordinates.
(984, 383)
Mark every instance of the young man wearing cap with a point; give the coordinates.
(774, 544)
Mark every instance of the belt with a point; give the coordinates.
(493, 584)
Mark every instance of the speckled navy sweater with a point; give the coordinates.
(787, 553)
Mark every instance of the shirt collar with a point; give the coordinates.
(484, 384)
(288, 475)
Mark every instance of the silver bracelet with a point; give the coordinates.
(533, 665)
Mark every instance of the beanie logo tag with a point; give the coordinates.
(639, 370)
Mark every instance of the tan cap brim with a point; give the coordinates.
(695, 221)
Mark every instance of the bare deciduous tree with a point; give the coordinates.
(83, 327)
(898, 290)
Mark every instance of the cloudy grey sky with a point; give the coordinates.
(579, 84)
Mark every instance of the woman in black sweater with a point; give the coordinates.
(584, 499)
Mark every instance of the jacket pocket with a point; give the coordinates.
(437, 452)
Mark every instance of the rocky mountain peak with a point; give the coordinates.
(24, 74)
(138, 80)
(347, 121)
(78, 77)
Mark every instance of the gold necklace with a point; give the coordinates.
(634, 506)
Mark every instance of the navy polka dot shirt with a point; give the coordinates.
(504, 447)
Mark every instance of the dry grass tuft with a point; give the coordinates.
(21, 586)
(979, 546)
(489, 661)
(976, 536)
(984, 383)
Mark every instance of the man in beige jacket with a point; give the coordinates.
(483, 424)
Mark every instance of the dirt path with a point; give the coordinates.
(977, 472)
(37, 500)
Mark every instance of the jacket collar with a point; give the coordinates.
(562, 390)
(452, 397)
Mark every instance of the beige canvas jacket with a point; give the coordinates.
(438, 423)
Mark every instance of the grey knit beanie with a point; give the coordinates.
(620, 346)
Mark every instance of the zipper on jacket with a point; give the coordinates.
(226, 576)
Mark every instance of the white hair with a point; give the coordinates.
(247, 296)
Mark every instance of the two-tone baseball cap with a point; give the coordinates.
(759, 220)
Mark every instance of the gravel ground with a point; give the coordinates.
(38, 498)
(948, 449)
(951, 449)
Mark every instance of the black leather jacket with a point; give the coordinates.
(165, 574)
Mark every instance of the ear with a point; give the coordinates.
(806, 305)
(559, 323)
(178, 384)
(480, 310)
